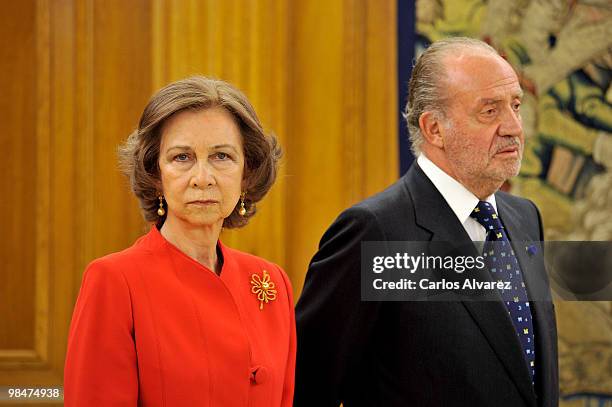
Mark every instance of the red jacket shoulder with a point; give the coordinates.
(120, 262)
(249, 262)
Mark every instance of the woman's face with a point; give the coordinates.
(201, 162)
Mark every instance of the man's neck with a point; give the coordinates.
(481, 188)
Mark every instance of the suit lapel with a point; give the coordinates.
(534, 275)
(532, 265)
(433, 214)
(520, 241)
(431, 210)
(492, 319)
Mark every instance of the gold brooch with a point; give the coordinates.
(263, 288)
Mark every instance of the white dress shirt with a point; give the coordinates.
(460, 200)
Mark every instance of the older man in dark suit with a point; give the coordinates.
(465, 125)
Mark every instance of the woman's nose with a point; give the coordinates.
(203, 175)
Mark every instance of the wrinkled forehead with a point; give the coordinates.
(481, 74)
(201, 128)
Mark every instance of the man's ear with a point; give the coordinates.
(430, 126)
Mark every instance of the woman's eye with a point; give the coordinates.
(181, 157)
(222, 156)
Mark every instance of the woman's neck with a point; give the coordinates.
(197, 242)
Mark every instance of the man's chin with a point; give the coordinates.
(507, 168)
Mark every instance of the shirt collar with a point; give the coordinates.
(459, 198)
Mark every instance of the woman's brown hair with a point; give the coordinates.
(139, 156)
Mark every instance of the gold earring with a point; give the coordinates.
(161, 211)
(242, 211)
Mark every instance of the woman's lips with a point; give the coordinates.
(204, 202)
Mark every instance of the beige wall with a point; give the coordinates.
(75, 76)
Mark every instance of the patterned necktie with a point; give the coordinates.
(503, 264)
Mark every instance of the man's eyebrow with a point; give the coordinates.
(491, 101)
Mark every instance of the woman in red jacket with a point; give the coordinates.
(179, 319)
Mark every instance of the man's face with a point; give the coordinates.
(482, 133)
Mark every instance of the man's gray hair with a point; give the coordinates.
(426, 86)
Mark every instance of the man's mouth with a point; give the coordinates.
(508, 151)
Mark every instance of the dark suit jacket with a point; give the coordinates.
(417, 353)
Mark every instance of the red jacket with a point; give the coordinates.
(153, 327)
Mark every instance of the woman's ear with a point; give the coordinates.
(158, 187)
(431, 129)
(244, 184)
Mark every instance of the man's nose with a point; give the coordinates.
(511, 124)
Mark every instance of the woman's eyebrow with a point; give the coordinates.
(179, 148)
(217, 146)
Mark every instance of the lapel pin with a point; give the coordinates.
(531, 249)
(263, 288)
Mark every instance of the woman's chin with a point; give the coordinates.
(202, 218)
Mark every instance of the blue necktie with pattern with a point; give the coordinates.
(503, 265)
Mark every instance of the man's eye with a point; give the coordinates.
(516, 107)
(489, 112)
